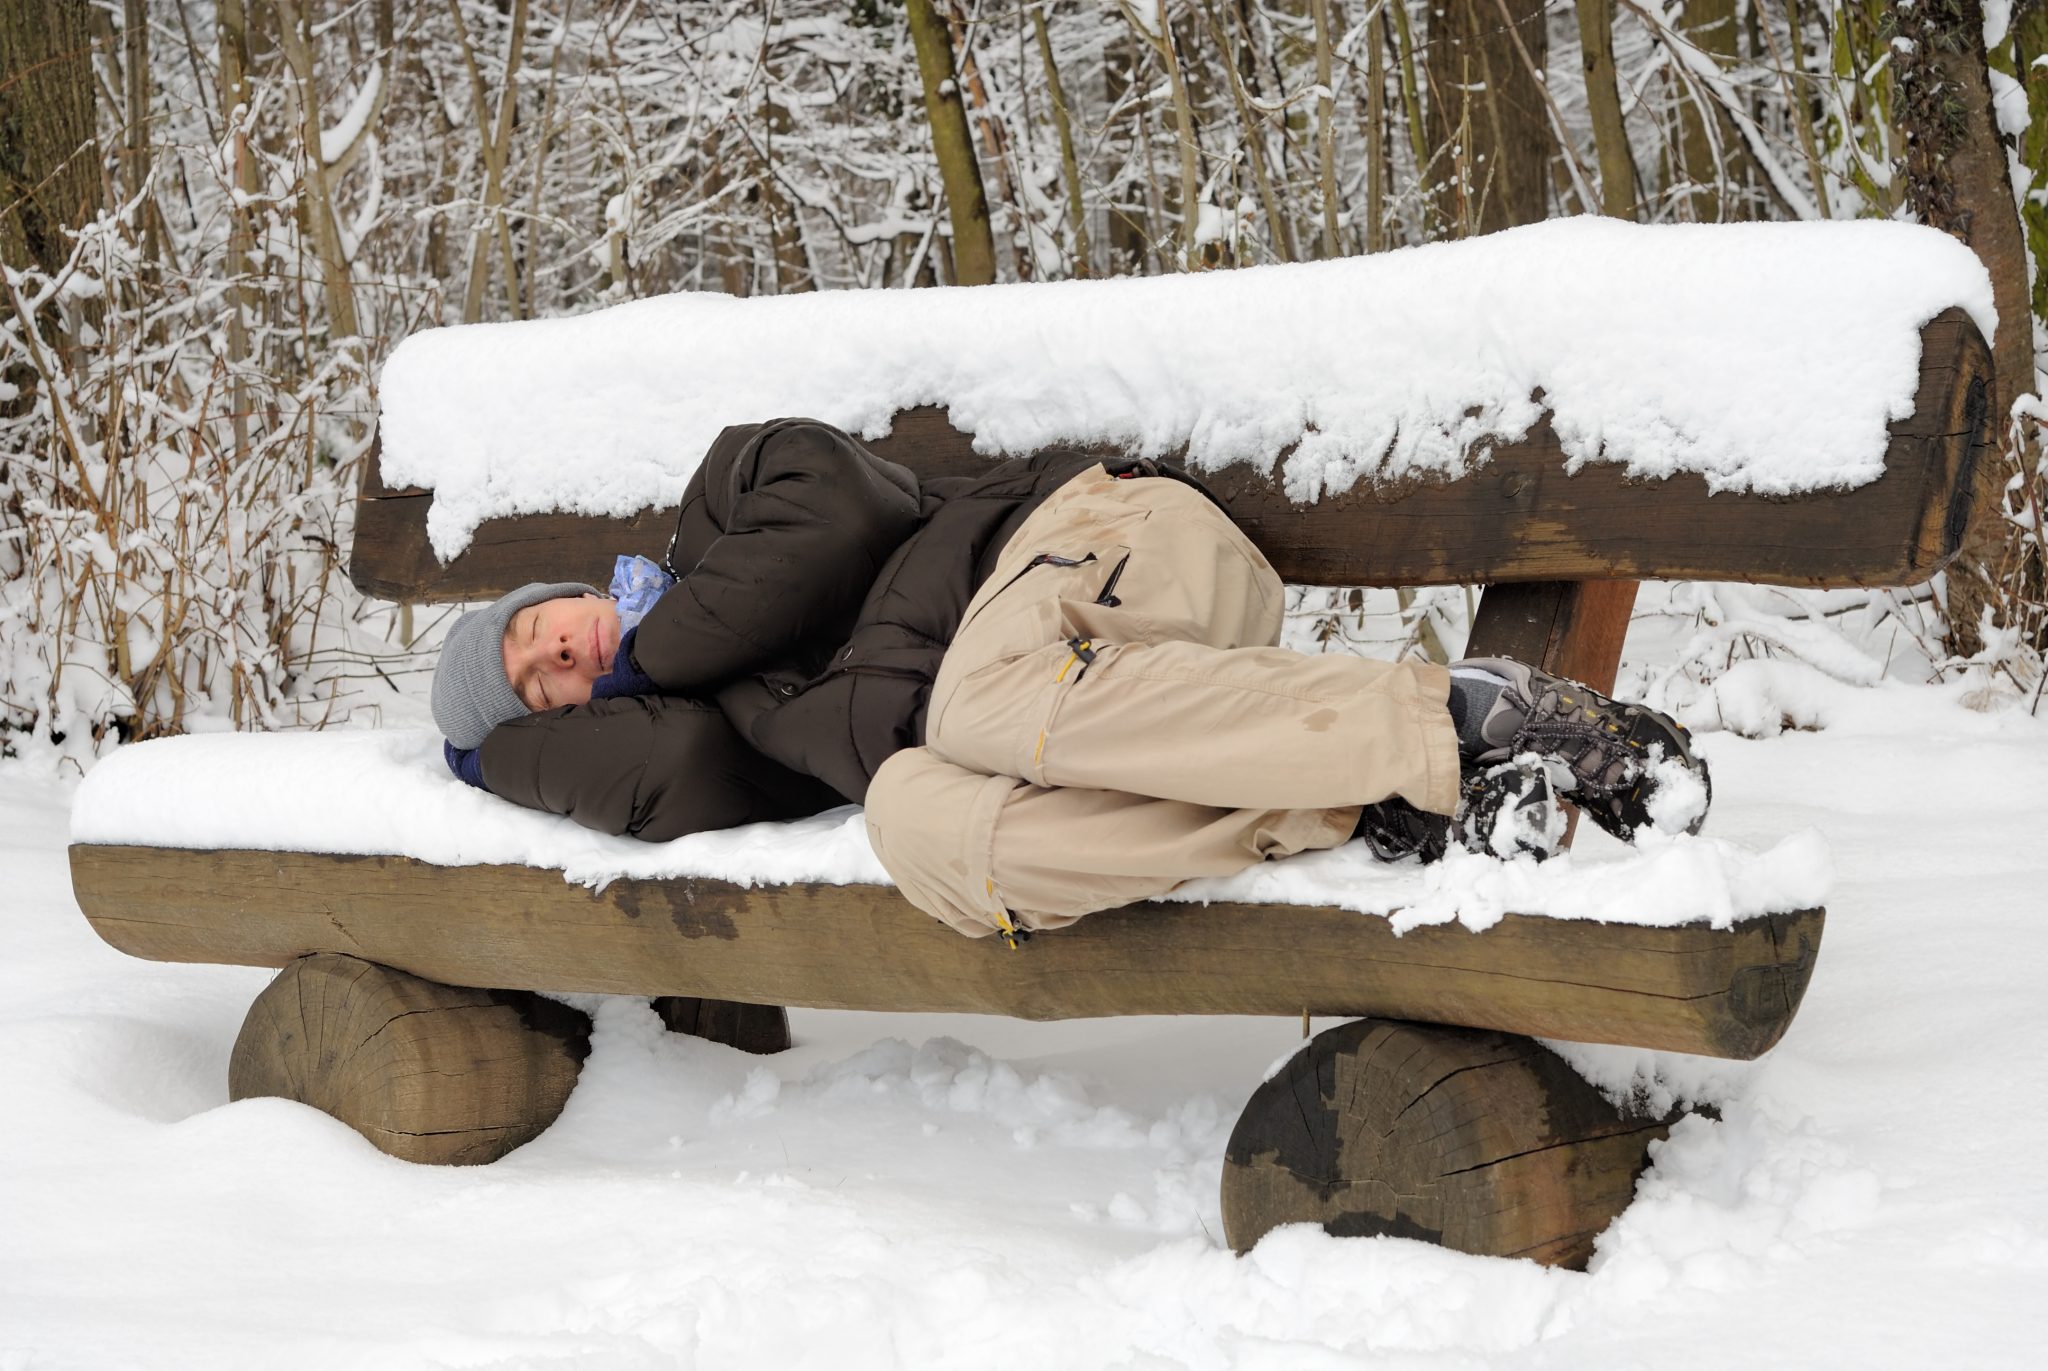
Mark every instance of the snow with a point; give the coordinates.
(336, 141)
(387, 792)
(2008, 103)
(928, 1191)
(1767, 357)
(1679, 799)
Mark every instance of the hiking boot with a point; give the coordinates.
(1509, 809)
(1394, 829)
(1627, 767)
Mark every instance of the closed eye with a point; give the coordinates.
(528, 686)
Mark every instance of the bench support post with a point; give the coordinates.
(427, 1072)
(758, 1028)
(1569, 628)
(1482, 1142)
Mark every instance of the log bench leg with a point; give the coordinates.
(1483, 1142)
(427, 1072)
(758, 1028)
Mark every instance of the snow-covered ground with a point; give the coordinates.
(964, 1192)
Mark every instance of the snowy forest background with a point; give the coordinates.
(217, 219)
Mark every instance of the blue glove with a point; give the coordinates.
(466, 763)
(624, 678)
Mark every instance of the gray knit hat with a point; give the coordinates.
(472, 694)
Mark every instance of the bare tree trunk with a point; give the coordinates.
(2030, 67)
(321, 224)
(1375, 143)
(1603, 101)
(1184, 135)
(1130, 229)
(1070, 163)
(1253, 126)
(1708, 150)
(1957, 181)
(974, 248)
(1791, 65)
(49, 161)
(496, 139)
(1479, 81)
(995, 143)
(1411, 102)
(1325, 134)
(138, 149)
(792, 259)
(540, 166)
(233, 23)
(1164, 48)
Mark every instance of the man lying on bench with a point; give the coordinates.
(1054, 686)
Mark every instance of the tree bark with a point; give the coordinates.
(1375, 143)
(1411, 99)
(2030, 46)
(1708, 150)
(1070, 163)
(1957, 180)
(1163, 48)
(986, 119)
(974, 249)
(1603, 101)
(49, 158)
(1326, 149)
(1253, 126)
(321, 224)
(137, 146)
(496, 139)
(233, 23)
(1480, 85)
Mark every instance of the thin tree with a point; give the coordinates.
(1487, 105)
(1709, 153)
(974, 249)
(1603, 102)
(1957, 180)
(49, 162)
(1070, 162)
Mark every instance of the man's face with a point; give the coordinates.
(555, 649)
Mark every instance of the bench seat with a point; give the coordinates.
(257, 849)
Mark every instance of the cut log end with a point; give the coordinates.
(1482, 1142)
(426, 1072)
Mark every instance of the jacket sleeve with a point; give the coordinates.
(787, 530)
(650, 767)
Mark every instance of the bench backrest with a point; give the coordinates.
(1518, 517)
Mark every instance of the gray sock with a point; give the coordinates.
(1473, 692)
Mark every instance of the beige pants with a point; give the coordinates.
(1113, 718)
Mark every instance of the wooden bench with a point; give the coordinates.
(406, 1004)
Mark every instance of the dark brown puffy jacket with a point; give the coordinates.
(819, 586)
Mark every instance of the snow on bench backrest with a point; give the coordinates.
(1767, 358)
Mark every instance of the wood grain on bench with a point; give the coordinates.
(1719, 992)
(1518, 517)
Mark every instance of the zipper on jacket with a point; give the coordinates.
(1108, 596)
(1042, 559)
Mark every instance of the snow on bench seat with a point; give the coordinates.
(386, 793)
(1768, 358)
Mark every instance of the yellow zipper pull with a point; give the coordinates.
(1012, 936)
